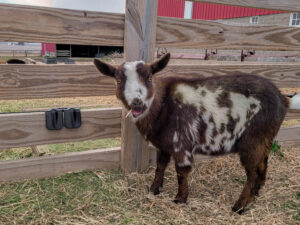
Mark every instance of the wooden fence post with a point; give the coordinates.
(139, 43)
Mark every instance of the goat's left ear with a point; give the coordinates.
(160, 64)
(105, 68)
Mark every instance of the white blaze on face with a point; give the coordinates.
(134, 88)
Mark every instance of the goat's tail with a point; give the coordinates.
(294, 101)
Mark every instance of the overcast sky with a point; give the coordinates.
(117, 6)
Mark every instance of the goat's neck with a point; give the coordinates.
(149, 125)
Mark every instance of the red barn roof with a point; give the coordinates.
(209, 11)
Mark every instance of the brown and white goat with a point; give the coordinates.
(216, 115)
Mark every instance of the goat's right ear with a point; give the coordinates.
(105, 68)
(160, 64)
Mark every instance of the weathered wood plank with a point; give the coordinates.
(283, 75)
(139, 43)
(27, 129)
(293, 114)
(184, 33)
(287, 5)
(51, 166)
(52, 81)
(96, 28)
(289, 136)
(51, 25)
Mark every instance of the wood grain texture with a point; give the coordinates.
(52, 166)
(50, 25)
(52, 81)
(289, 136)
(28, 129)
(282, 75)
(185, 33)
(287, 5)
(139, 43)
(293, 114)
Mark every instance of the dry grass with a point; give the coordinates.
(109, 197)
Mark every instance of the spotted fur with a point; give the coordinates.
(196, 115)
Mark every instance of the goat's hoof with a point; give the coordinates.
(239, 206)
(156, 190)
(239, 211)
(180, 200)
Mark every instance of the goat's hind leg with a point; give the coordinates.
(261, 171)
(163, 158)
(247, 194)
(255, 163)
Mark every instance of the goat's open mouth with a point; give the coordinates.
(137, 111)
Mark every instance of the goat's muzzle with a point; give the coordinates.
(137, 107)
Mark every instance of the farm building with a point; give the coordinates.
(188, 10)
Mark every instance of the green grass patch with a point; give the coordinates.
(276, 149)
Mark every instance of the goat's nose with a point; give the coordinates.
(137, 102)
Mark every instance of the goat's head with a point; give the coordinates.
(134, 82)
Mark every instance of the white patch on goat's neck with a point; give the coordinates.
(134, 88)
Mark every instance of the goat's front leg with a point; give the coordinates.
(183, 189)
(163, 158)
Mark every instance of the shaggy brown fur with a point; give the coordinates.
(180, 129)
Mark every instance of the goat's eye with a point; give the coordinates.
(150, 79)
(118, 81)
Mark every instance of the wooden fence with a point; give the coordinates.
(139, 31)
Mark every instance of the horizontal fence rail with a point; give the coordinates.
(51, 166)
(288, 5)
(289, 136)
(184, 33)
(54, 81)
(28, 129)
(283, 75)
(293, 114)
(51, 25)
